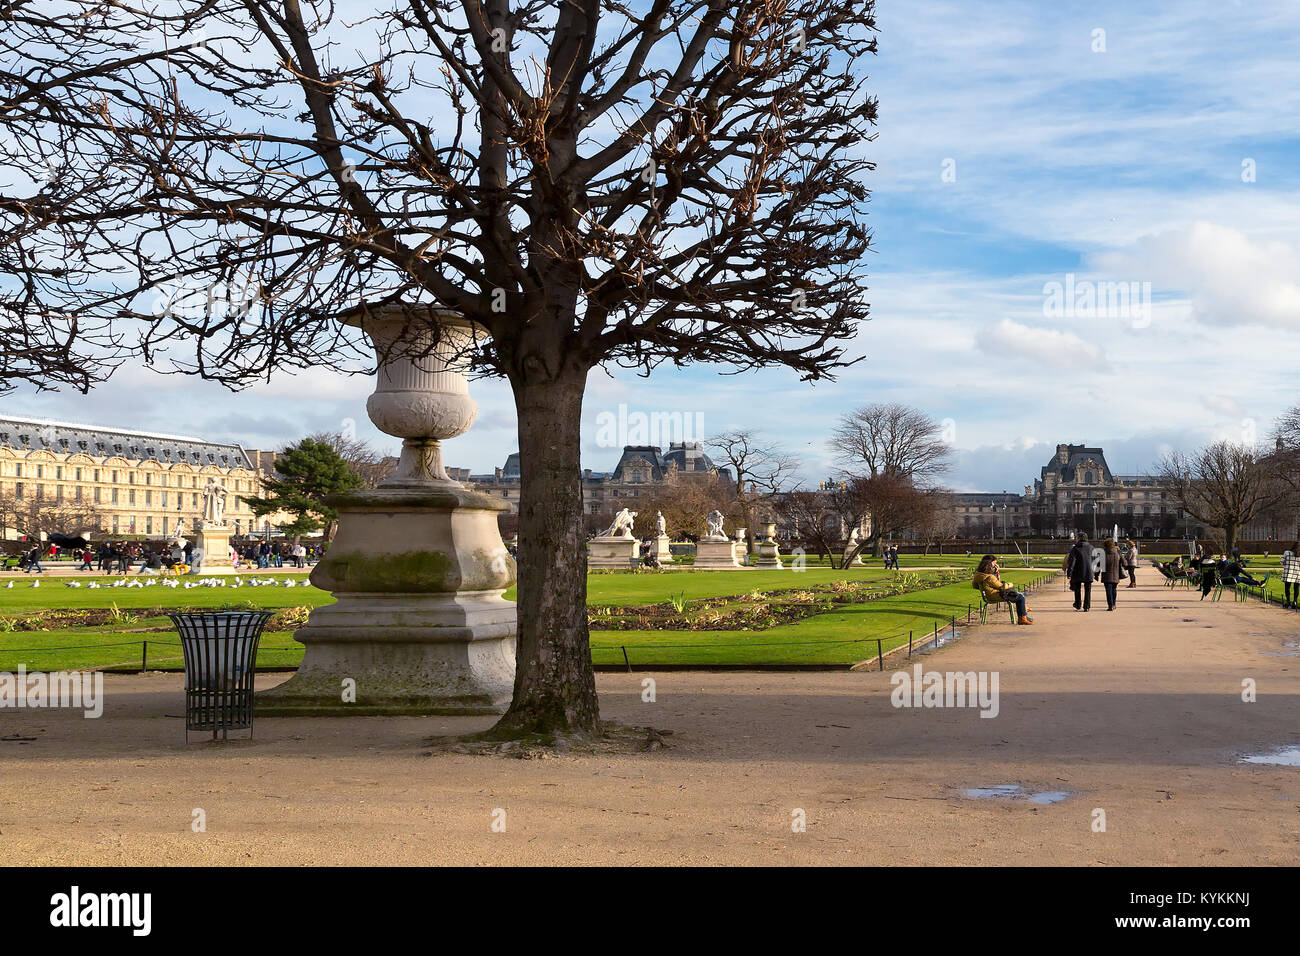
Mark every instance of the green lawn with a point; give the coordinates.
(845, 635)
(841, 636)
(52, 593)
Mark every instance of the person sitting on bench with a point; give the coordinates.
(994, 589)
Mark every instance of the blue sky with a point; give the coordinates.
(1117, 165)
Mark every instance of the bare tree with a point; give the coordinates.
(36, 516)
(935, 519)
(593, 183)
(64, 197)
(825, 519)
(760, 470)
(1225, 485)
(684, 501)
(891, 441)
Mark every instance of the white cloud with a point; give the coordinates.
(1230, 278)
(1011, 340)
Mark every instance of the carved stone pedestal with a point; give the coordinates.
(613, 552)
(215, 542)
(418, 566)
(716, 554)
(769, 552)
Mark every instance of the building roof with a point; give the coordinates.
(1076, 455)
(31, 434)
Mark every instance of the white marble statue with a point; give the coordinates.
(661, 526)
(622, 526)
(214, 503)
(179, 533)
(715, 519)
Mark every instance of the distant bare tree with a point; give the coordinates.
(935, 520)
(891, 441)
(684, 501)
(33, 516)
(824, 519)
(1225, 485)
(761, 470)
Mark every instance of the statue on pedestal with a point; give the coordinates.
(661, 526)
(214, 503)
(622, 526)
(715, 520)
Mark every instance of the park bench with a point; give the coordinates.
(984, 608)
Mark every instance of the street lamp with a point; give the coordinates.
(1094, 520)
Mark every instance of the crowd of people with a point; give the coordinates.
(119, 557)
(1085, 564)
(1110, 564)
(1210, 569)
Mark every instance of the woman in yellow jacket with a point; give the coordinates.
(995, 589)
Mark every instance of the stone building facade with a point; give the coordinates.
(1075, 491)
(138, 483)
(639, 468)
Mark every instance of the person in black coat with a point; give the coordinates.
(1079, 566)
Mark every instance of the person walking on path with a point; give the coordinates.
(1078, 565)
(1110, 573)
(34, 561)
(1131, 562)
(994, 589)
(1291, 575)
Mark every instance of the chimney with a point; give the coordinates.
(586, 474)
(499, 472)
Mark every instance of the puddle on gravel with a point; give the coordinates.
(1281, 757)
(1289, 648)
(1014, 791)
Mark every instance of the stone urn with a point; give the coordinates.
(422, 394)
(418, 566)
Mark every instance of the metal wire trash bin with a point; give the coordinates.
(220, 651)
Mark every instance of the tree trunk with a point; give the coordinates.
(555, 686)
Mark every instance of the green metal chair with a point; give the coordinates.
(984, 609)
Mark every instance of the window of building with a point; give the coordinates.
(97, 496)
(97, 474)
(58, 472)
(148, 497)
(40, 492)
(58, 493)
(114, 496)
(115, 523)
(164, 504)
(131, 497)
(40, 471)
(18, 489)
(130, 478)
(18, 471)
(115, 475)
(78, 494)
